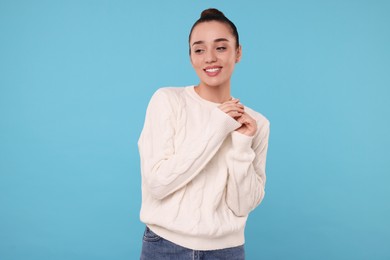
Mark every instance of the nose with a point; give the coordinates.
(210, 57)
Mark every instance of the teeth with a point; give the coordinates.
(213, 70)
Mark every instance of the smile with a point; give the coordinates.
(211, 70)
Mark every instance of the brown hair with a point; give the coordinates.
(213, 14)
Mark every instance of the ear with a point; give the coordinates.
(238, 54)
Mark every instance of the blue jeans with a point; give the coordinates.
(155, 247)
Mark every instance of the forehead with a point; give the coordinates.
(209, 31)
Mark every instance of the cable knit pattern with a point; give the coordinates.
(200, 178)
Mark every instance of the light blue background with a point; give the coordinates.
(75, 80)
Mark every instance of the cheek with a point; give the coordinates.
(231, 62)
(195, 62)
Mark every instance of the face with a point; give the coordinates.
(213, 53)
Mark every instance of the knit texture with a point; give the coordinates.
(200, 177)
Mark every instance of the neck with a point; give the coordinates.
(218, 94)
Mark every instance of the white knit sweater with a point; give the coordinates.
(200, 178)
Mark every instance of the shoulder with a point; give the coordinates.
(166, 99)
(260, 118)
(168, 93)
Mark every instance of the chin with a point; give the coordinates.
(214, 84)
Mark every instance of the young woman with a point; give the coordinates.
(203, 155)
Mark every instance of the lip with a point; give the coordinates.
(212, 71)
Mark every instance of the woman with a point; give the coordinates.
(203, 155)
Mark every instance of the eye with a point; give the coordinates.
(198, 51)
(222, 48)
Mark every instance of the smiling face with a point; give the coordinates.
(213, 53)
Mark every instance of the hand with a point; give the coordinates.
(249, 125)
(233, 108)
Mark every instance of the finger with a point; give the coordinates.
(232, 101)
(248, 120)
(232, 107)
(248, 117)
(234, 114)
(241, 120)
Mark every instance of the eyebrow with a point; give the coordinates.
(216, 40)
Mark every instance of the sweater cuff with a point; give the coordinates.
(223, 121)
(241, 142)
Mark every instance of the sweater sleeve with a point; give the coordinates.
(166, 165)
(246, 165)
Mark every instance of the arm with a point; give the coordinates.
(166, 165)
(246, 164)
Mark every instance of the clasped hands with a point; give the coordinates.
(236, 110)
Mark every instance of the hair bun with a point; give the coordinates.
(211, 12)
